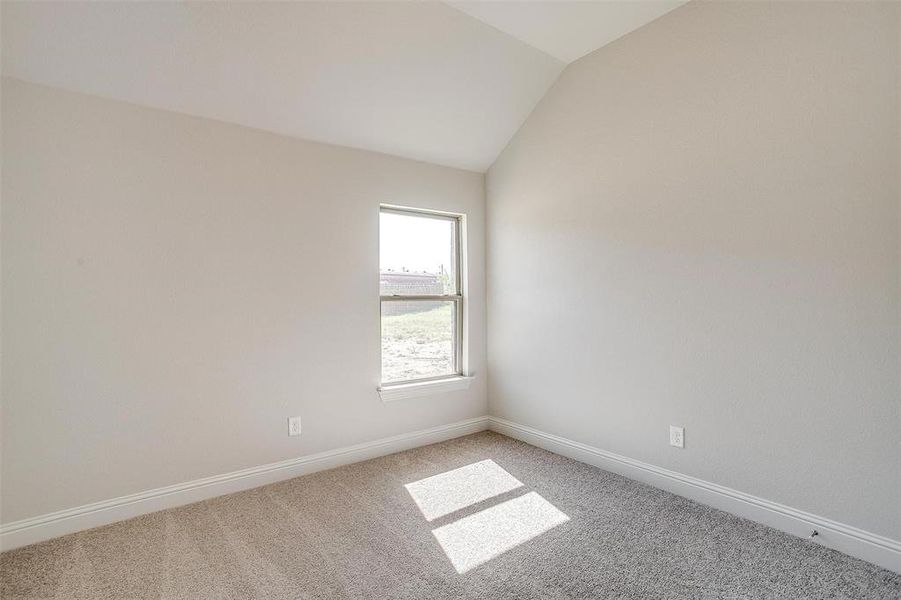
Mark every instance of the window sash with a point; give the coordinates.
(457, 299)
(457, 221)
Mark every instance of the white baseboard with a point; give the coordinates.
(876, 549)
(870, 547)
(44, 527)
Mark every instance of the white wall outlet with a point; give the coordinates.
(676, 436)
(293, 425)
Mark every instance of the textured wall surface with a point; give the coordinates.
(699, 226)
(174, 288)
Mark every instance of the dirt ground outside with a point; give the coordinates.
(418, 344)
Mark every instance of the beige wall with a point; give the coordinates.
(699, 226)
(174, 288)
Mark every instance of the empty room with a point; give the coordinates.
(474, 299)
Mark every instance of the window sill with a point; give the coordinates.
(403, 391)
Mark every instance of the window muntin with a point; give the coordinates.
(421, 295)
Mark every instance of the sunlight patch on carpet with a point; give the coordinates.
(454, 490)
(476, 539)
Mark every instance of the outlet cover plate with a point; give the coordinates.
(676, 436)
(293, 426)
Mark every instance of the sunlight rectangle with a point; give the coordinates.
(476, 539)
(451, 491)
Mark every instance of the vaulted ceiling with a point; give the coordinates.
(444, 83)
(566, 29)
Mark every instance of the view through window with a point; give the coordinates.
(421, 295)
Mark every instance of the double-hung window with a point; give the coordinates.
(421, 292)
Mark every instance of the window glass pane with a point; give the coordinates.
(418, 339)
(417, 255)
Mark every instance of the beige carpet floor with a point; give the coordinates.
(481, 516)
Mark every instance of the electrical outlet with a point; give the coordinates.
(676, 436)
(293, 425)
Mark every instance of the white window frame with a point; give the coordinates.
(399, 390)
